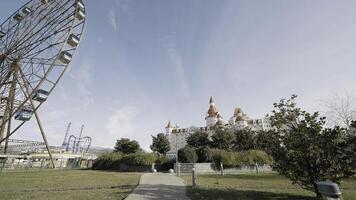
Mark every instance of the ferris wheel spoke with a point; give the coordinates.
(50, 26)
(63, 28)
(40, 42)
(39, 19)
(38, 16)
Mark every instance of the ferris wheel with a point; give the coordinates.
(37, 43)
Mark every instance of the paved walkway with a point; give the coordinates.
(159, 186)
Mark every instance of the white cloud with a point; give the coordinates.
(121, 122)
(112, 19)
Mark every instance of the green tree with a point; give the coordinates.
(126, 146)
(222, 139)
(307, 152)
(160, 144)
(187, 154)
(266, 140)
(244, 139)
(198, 139)
(205, 154)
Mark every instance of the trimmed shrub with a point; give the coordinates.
(225, 157)
(108, 161)
(139, 159)
(187, 155)
(113, 161)
(243, 158)
(252, 157)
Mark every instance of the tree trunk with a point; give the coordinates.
(317, 193)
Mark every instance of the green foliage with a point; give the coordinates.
(229, 159)
(251, 157)
(108, 161)
(112, 161)
(139, 159)
(222, 139)
(306, 152)
(205, 154)
(266, 141)
(198, 139)
(244, 139)
(187, 155)
(243, 158)
(126, 146)
(160, 144)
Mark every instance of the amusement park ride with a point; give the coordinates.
(37, 44)
(75, 144)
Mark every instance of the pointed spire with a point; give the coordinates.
(169, 125)
(211, 100)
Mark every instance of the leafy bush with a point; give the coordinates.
(226, 157)
(187, 155)
(139, 159)
(108, 161)
(238, 159)
(112, 161)
(251, 157)
(205, 154)
(165, 163)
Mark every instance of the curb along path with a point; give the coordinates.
(159, 186)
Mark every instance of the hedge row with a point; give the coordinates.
(112, 161)
(242, 158)
(228, 158)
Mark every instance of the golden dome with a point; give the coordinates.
(237, 111)
(212, 112)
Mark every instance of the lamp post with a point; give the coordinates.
(177, 163)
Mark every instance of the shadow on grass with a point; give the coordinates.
(217, 193)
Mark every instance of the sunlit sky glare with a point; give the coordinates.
(142, 63)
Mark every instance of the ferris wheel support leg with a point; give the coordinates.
(37, 118)
(43, 136)
(10, 103)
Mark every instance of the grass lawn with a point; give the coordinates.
(69, 184)
(266, 186)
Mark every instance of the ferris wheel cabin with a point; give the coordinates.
(24, 114)
(2, 34)
(65, 57)
(18, 17)
(80, 5)
(40, 95)
(26, 11)
(73, 40)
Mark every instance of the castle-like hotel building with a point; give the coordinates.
(177, 136)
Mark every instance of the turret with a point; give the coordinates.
(212, 115)
(169, 128)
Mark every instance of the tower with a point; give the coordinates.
(213, 114)
(240, 118)
(169, 128)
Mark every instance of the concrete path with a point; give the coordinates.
(159, 186)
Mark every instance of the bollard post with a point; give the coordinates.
(194, 178)
(222, 169)
(178, 169)
(256, 165)
(41, 165)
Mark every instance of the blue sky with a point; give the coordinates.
(142, 63)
